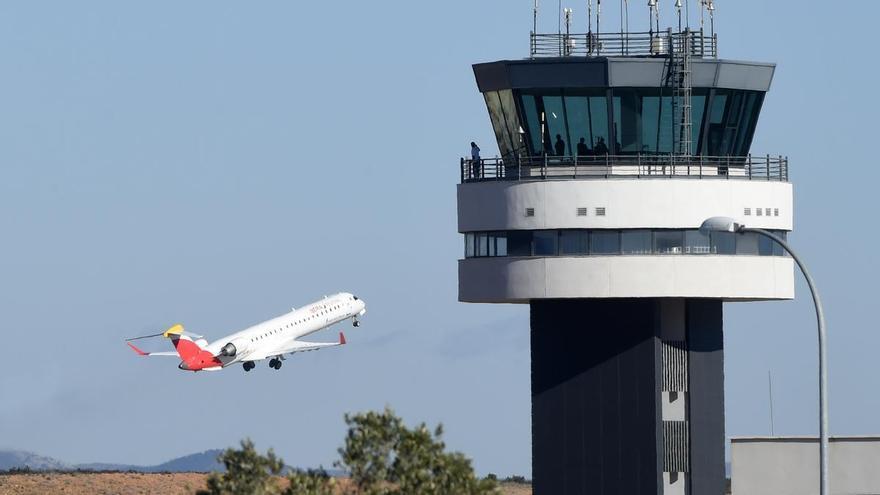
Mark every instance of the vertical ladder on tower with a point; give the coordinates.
(680, 80)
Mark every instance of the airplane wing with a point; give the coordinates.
(294, 347)
(142, 353)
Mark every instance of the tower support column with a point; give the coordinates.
(627, 396)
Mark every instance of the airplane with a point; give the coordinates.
(271, 339)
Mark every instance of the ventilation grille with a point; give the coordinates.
(530, 212)
(675, 376)
(582, 212)
(759, 211)
(600, 211)
(675, 439)
(767, 212)
(776, 212)
(747, 212)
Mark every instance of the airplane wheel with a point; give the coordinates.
(278, 364)
(246, 366)
(356, 323)
(272, 362)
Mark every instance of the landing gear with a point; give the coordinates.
(248, 365)
(356, 323)
(275, 363)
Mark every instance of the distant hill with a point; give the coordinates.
(11, 459)
(203, 462)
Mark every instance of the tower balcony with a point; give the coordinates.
(638, 166)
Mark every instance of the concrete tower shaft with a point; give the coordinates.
(591, 215)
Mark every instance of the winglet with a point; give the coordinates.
(341, 338)
(175, 330)
(138, 351)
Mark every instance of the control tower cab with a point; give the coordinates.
(614, 148)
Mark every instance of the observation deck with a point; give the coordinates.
(516, 168)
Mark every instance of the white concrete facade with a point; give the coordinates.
(790, 466)
(731, 278)
(628, 203)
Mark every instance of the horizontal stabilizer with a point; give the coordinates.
(142, 353)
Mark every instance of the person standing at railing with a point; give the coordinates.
(582, 149)
(475, 161)
(559, 146)
(601, 148)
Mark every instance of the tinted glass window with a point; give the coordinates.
(765, 246)
(668, 242)
(496, 114)
(501, 245)
(469, 245)
(605, 242)
(695, 242)
(723, 242)
(545, 242)
(519, 243)
(533, 123)
(747, 244)
(635, 241)
(554, 113)
(698, 109)
(574, 242)
(508, 106)
(482, 245)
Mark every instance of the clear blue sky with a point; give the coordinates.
(215, 163)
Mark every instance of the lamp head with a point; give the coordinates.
(720, 224)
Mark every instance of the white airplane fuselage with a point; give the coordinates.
(271, 339)
(258, 341)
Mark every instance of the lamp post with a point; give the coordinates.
(724, 224)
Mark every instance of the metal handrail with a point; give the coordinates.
(622, 44)
(635, 166)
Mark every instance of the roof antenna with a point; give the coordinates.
(652, 5)
(678, 8)
(703, 4)
(590, 27)
(711, 9)
(598, 18)
(569, 41)
(559, 20)
(535, 18)
(687, 13)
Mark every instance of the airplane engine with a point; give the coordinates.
(235, 347)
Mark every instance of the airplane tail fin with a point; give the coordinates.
(183, 344)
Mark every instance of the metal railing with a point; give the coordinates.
(622, 44)
(637, 166)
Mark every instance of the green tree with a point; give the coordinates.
(385, 457)
(247, 472)
(311, 482)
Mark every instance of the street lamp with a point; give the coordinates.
(724, 224)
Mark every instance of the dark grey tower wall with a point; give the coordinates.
(706, 395)
(597, 381)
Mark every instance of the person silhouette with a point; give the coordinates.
(559, 146)
(601, 147)
(475, 160)
(583, 150)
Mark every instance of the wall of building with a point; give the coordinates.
(790, 466)
(627, 204)
(518, 280)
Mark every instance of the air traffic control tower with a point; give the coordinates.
(614, 148)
